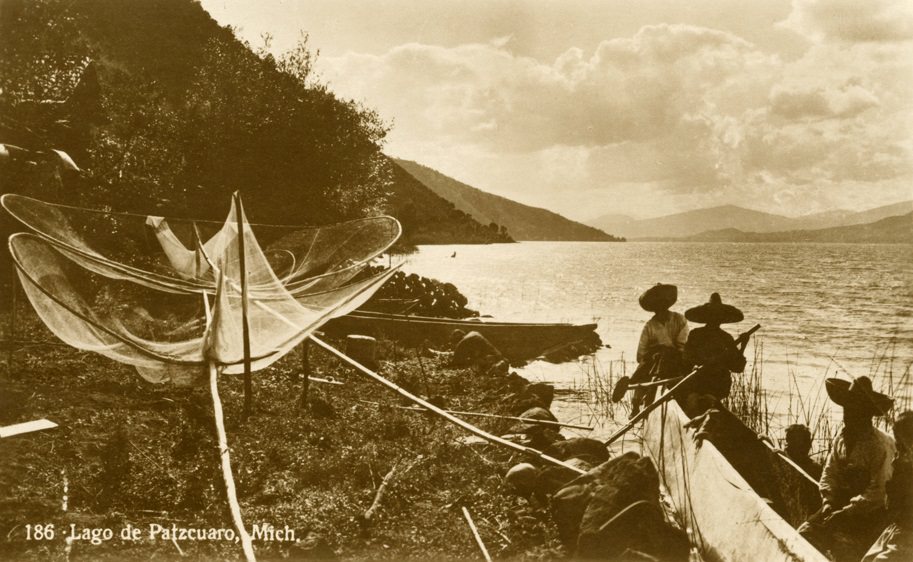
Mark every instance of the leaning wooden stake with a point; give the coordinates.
(11, 329)
(227, 476)
(449, 417)
(486, 415)
(306, 370)
(475, 533)
(245, 327)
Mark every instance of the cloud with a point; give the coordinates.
(853, 21)
(634, 89)
(846, 101)
(676, 109)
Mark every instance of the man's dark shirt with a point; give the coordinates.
(900, 491)
(808, 465)
(711, 344)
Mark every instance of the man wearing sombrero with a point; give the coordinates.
(661, 341)
(858, 467)
(716, 350)
(896, 541)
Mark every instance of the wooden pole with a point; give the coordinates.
(440, 412)
(486, 415)
(656, 404)
(199, 255)
(11, 329)
(741, 341)
(773, 449)
(306, 371)
(245, 327)
(475, 533)
(224, 457)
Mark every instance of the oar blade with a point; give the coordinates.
(621, 388)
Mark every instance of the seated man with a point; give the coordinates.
(661, 341)
(853, 483)
(896, 542)
(798, 444)
(716, 350)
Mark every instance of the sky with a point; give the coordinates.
(633, 107)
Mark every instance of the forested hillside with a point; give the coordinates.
(428, 218)
(523, 222)
(162, 109)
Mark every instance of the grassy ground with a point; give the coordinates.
(128, 453)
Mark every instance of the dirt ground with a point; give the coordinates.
(130, 460)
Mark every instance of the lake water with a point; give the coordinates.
(825, 309)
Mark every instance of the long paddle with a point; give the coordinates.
(741, 341)
(440, 412)
(773, 449)
(622, 387)
(485, 415)
(624, 383)
(656, 404)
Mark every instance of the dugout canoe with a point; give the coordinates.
(741, 505)
(517, 341)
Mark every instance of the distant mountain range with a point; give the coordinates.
(717, 221)
(437, 209)
(521, 221)
(891, 230)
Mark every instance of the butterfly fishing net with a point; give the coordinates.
(175, 254)
(168, 295)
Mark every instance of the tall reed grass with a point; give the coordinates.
(767, 411)
(807, 402)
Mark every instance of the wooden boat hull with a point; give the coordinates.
(516, 341)
(726, 517)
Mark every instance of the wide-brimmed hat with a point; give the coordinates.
(658, 297)
(714, 312)
(860, 393)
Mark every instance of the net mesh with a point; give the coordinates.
(132, 288)
(176, 254)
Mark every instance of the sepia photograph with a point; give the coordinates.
(459, 280)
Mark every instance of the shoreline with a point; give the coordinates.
(129, 455)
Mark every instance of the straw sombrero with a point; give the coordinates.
(714, 312)
(658, 297)
(860, 392)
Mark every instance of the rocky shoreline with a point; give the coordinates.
(130, 454)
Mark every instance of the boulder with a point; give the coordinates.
(541, 437)
(522, 479)
(515, 382)
(539, 413)
(520, 405)
(568, 506)
(614, 510)
(499, 369)
(473, 350)
(590, 450)
(552, 478)
(540, 392)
